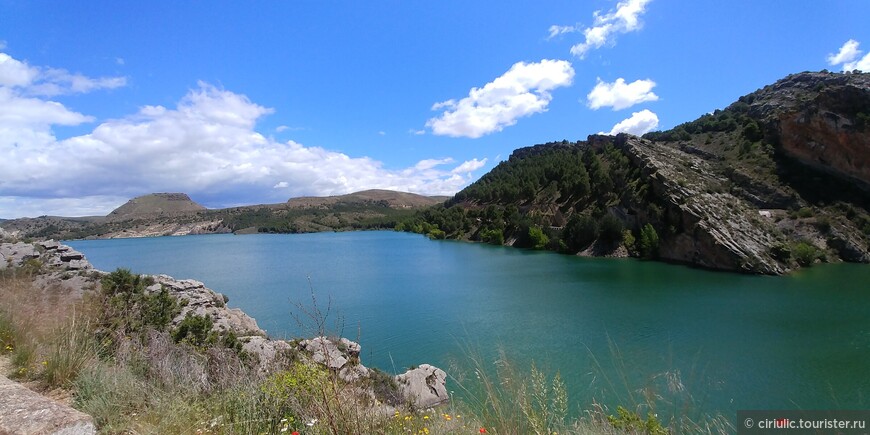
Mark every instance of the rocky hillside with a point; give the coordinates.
(776, 181)
(386, 198)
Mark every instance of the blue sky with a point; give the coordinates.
(257, 102)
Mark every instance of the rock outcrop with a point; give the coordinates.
(717, 230)
(203, 301)
(23, 411)
(424, 386)
(16, 254)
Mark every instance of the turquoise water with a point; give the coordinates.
(611, 327)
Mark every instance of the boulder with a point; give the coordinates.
(71, 255)
(23, 411)
(269, 353)
(424, 386)
(325, 351)
(49, 245)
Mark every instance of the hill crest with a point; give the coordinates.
(155, 204)
(387, 198)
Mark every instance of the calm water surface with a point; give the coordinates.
(610, 327)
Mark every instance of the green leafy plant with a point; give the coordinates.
(631, 422)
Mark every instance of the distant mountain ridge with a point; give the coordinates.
(390, 198)
(160, 214)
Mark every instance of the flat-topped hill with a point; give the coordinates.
(156, 204)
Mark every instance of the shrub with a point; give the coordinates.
(805, 253)
(805, 212)
(492, 236)
(629, 241)
(630, 422)
(385, 388)
(195, 330)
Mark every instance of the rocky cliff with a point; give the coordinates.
(776, 181)
(713, 228)
(821, 119)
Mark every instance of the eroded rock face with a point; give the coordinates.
(424, 386)
(716, 230)
(816, 117)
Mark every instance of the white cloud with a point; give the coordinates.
(522, 91)
(862, 64)
(2, 44)
(49, 82)
(206, 146)
(416, 132)
(469, 166)
(382, 133)
(120, 61)
(556, 30)
(625, 19)
(847, 56)
(281, 128)
(620, 95)
(638, 124)
(15, 73)
(848, 52)
(423, 165)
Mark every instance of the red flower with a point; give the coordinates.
(294, 433)
(483, 430)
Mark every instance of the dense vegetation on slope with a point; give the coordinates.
(750, 172)
(559, 196)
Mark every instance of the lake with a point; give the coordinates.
(610, 327)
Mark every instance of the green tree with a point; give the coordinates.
(538, 239)
(580, 232)
(648, 245)
(611, 229)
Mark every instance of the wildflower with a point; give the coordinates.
(284, 429)
(425, 417)
(312, 422)
(45, 363)
(294, 433)
(483, 430)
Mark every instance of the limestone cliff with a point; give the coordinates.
(821, 119)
